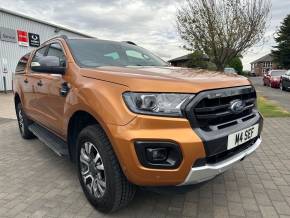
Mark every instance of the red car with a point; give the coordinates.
(273, 78)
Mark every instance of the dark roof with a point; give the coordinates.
(185, 58)
(266, 58)
(182, 58)
(42, 22)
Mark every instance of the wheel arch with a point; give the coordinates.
(78, 121)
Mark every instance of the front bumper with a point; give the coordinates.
(209, 171)
(177, 130)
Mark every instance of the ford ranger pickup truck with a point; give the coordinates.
(126, 118)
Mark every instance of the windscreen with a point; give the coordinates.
(98, 53)
(278, 72)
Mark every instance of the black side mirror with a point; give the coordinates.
(49, 64)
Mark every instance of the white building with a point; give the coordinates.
(20, 34)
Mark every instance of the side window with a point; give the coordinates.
(38, 54)
(55, 49)
(288, 73)
(22, 64)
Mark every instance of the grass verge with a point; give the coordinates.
(271, 109)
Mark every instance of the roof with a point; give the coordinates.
(42, 22)
(182, 58)
(266, 58)
(186, 58)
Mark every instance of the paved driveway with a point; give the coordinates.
(7, 106)
(283, 98)
(35, 182)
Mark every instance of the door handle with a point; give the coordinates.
(26, 81)
(64, 89)
(39, 83)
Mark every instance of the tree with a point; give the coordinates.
(281, 53)
(197, 60)
(222, 29)
(237, 64)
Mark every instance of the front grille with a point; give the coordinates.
(210, 110)
(224, 155)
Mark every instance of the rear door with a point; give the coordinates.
(50, 100)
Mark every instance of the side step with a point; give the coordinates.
(51, 140)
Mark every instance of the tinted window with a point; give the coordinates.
(55, 49)
(97, 53)
(38, 54)
(22, 64)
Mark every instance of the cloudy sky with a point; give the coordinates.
(149, 23)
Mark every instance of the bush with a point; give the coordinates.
(237, 64)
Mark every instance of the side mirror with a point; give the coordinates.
(48, 64)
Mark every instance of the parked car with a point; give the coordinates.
(285, 81)
(273, 77)
(128, 119)
(252, 73)
(230, 70)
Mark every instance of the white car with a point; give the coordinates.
(230, 70)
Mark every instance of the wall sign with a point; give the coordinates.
(22, 38)
(34, 40)
(7, 35)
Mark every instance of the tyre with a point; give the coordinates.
(23, 123)
(102, 180)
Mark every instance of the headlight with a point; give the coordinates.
(156, 104)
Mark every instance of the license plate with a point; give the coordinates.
(242, 136)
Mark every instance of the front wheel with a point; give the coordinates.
(23, 122)
(100, 174)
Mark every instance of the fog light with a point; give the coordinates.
(157, 154)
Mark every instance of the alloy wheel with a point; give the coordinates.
(92, 170)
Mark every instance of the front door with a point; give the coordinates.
(51, 102)
(30, 85)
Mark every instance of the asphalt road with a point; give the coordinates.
(281, 97)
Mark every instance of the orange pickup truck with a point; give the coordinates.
(128, 119)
